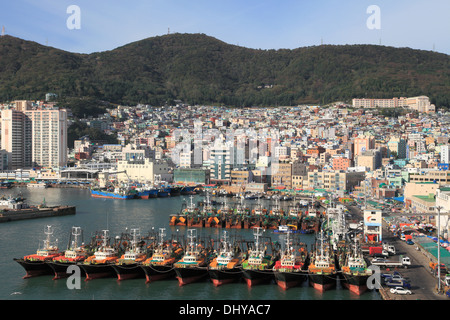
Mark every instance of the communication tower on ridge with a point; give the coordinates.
(3, 31)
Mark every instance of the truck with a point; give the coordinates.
(378, 252)
(389, 248)
(383, 263)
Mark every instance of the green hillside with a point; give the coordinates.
(200, 69)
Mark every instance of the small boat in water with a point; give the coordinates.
(37, 185)
(36, 264)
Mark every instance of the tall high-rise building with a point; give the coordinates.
(49, 137)
(16, 138)
(445, 154)
(34, 137)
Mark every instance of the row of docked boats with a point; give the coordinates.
(297, 218)
(224, 260)
(127, 192)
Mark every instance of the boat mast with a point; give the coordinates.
(162, 234)
(105, 237)
(192, 236)
(76, 232)
(48, 231)
(135, 233)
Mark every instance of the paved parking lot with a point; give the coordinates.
(423, 283)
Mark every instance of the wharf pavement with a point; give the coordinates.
(423, 283)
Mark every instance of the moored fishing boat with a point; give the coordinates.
(322, 269)
(291, 269)
(99, 265)
(225, 267)
(355, 271)
(258, 265)
(120, 193)
(75, 253)
(175, 190)
(128, 265)
(188, 190)
(36, 264)
(163, 191)
(160, 265)
(192, 266)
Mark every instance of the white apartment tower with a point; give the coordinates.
(445, 154)
(16, 138)
(49, 137)
(35, 137)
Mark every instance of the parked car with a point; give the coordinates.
(400, 290)
(394, 277)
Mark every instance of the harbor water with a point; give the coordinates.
(20, 238)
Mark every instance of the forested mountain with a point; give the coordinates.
(199, 69)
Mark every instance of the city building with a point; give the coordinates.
(48, 137)
(420, 103)
(16, 137)
(445, 154)
(443, 204)
(191, 176)
(370, 159)
(220, 163)
(373, 225)
(144, 171)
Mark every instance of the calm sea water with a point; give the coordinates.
(20, 238)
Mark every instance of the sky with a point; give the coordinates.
(101, 25)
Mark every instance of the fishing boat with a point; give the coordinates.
(258, 210)
(7, 203)
(120, 193)
(5, 185)
(355, 271)
(258, 265)
(188, 190)
(164, 191)
(128, 265)
(146, 191)
(291, 269)
(160, 265)
(37, 185)
(287, 228)
(99, 265)
(175, 190)
(75, 253)
(36, 264)
(225, 268)
(192, 266)
(322, 269)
